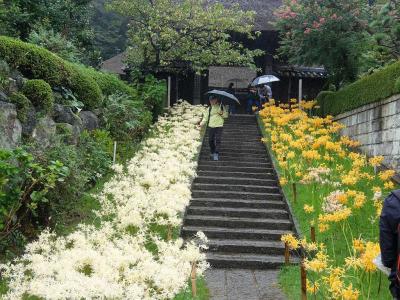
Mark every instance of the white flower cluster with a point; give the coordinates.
(331, 202)
(125, 257)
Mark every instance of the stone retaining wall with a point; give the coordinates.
(377, 127)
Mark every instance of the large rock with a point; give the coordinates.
(3, 97)
(10, 126)
(89, 120)
(64, 114)
(44, 132)
(29, 125)
(19, 78)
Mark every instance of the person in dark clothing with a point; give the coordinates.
(388, 239)
(253, 99)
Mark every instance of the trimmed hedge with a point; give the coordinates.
(40, 94)
(23, 104)
(87, 84)
(109, 83)
(369, 89)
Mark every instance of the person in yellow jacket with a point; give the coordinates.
(215, 117)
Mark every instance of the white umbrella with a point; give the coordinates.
(264, 79)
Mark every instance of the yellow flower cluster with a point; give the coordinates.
(291, 241)
(364, 254)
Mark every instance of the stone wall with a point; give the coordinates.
(377, 127)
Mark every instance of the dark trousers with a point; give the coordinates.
(214, 138)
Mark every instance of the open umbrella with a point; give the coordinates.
(225, 97)
(264, 79)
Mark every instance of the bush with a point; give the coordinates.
(369, 89)
(38, 63)
(109, 83)
(40, 94)
(125, 119)
(84, 87)
(24, 186)
(397, 85)
(153, 92)
(23, 104)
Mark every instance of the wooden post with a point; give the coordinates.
(115, 152)
(300, 91)
(303, 276)
(313, 234)
(169, 92)
(193, 278)
(287, 254)
(294, 189)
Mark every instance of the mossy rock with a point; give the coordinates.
(40, 94)
(64, 129)
(23, 105)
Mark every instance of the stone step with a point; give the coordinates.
(238, 212)
(235, 222)
(235, 195)
(246, 246)
(233, 233)
(244, 158)
(264, 175)
(214, 166)
(241, 147)
(235, 188)
(238, 203)
(246, 261)
(225, 179)
(238, 164)
(230, 150)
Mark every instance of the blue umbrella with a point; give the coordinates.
(225, 97)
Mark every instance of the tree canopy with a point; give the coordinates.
(191, 33)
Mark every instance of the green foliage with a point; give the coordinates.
(23, 105)
(56, 43)
(4, 72)
(95, 149)
(153, 93)
(24, 186)
(331, 33)
(397, 85)
(84, 87)
(164, 33)
(124, 118)
(109, 83)
(386, 33)
(40, 94)
(368, 89)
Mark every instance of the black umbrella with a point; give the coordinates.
(225, 97)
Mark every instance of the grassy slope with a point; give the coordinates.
(289, 277)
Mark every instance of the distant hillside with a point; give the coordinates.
(110, 30)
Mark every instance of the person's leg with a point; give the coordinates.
(212, 139)
(249, 107)
(218, 139)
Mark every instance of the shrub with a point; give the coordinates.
(24, 187)
(369, 89)
(153, 92)
(23, 104)
(84, 87)
(40, 94)
(125, 119)
(38, 63)
(397, 85)
(109, 83)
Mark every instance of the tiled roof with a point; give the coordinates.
(115, 64)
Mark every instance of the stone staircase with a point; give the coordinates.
(237, 203)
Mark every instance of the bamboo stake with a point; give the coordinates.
(303, 276)
(193, 278)
(287, 254)
(313, 234)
